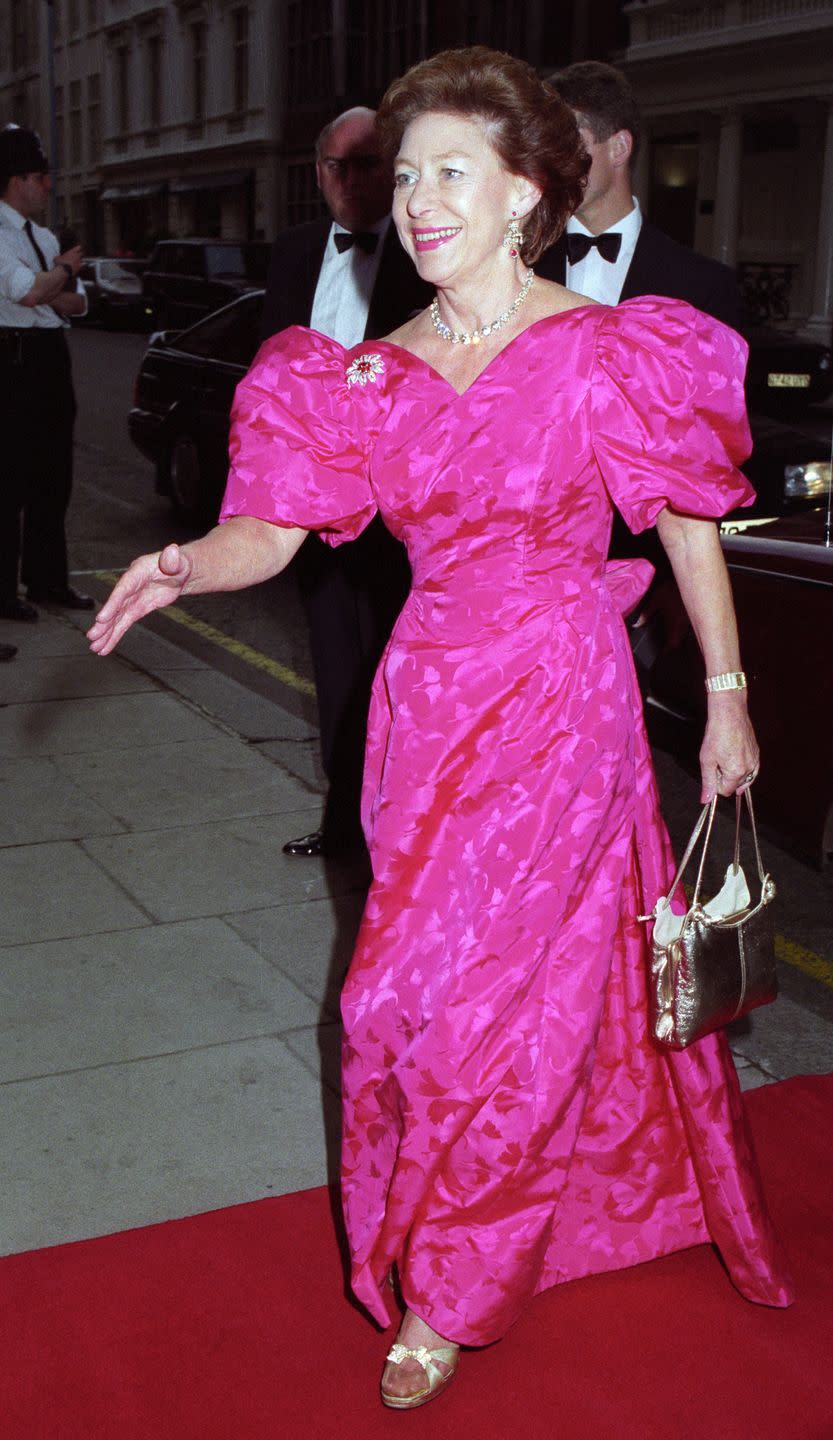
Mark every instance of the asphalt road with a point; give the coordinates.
(116, 515)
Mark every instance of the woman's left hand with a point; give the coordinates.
(729, 755)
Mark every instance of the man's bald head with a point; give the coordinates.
(354, 180)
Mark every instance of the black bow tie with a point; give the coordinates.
(365, 239)
(579, 245)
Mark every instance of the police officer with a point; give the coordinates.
(39, 291)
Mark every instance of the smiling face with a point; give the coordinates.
(453, 198)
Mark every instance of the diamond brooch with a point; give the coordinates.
(365, 368)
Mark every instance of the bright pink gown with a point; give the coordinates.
(508, 1123)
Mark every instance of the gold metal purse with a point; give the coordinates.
(717, 961)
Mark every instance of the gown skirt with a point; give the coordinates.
(508, 1123)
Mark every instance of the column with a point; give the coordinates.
(727, 195)
(339, 23)
(820, 323)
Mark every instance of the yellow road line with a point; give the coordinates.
(238, 648)
(787, 950)
(806, 960)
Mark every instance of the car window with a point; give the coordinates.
(190, 260)
(223, 260)
(87, 271)
(164, 258)
(257, 262)
(231, 334)
(114, 270)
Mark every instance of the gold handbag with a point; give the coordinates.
(717, 961)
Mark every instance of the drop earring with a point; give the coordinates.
(514, 236)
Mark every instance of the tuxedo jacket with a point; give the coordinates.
(294, 267)
(662, 267)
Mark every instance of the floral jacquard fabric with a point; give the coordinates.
(508, 1123)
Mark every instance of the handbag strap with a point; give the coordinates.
(707, 814)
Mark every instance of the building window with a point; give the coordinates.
(123, 89)
(303, 197)
(310, 52)
(20, 34)
(94, 118)
(59, 127)
(384, 38)
(75, 122)
(498, 23)
(154, 81)
(74, 16)
(92, 12)
(241, 61)
(198, 72)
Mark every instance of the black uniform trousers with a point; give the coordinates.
(37, 419)
(351, 596)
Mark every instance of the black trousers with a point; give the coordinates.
(352, 596)
(37, 418)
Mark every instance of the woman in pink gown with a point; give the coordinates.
(508, 1123)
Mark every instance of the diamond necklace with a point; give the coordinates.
(473, 337)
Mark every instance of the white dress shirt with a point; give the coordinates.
(603, 279)
(18, 267)
(345, 287)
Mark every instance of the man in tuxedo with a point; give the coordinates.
(348, 278)
(611, 253)
(608, 250)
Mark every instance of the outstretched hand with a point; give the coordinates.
(151, 582)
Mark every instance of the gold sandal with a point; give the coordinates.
(437, 1381)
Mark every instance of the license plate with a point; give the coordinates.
(787, 381)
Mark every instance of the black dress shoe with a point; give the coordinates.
(18, 610)
(306, 844)
(67, 599)
(7, 652)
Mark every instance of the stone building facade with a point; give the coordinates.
(176, 117)
(738, 101)
(165, 116)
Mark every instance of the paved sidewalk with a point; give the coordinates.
(168, 978)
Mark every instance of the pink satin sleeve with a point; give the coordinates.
(296, 450)
(669, 414)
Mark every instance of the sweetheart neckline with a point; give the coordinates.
(426, 365)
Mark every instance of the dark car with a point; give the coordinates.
(114, 291)
(786, 373)
(782, 579)
(187, 379)
(189, 279)
(182, 399)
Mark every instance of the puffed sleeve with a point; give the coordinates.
(669, 417)
(297, 451)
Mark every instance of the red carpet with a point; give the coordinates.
(233, 1326)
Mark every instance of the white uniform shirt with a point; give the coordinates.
(345, 287)
(603, 279)
(18, 267)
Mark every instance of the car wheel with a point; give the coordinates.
(185, 479)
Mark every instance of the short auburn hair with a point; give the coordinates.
(527, 124)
